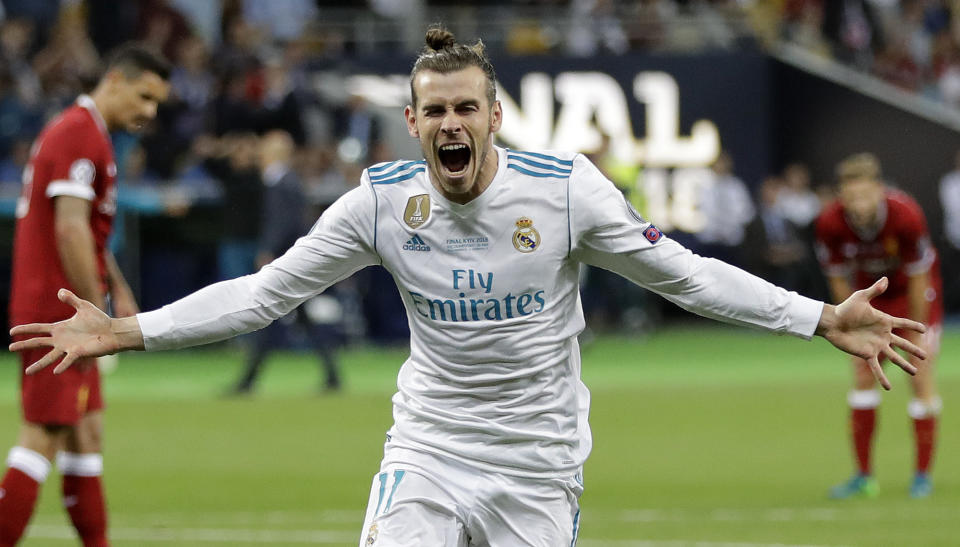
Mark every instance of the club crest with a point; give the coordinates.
(372, 535)
(417, 211)
(526, 238)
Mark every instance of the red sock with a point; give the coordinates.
(83, 498)
(18, 492)
(16, 505)
(925, 435)
(862, 424)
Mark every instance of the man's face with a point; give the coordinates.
(136, 99)
(455, 123)
(861, 198)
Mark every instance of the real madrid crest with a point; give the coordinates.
(372, 534)
(526, 238)
(417, 211)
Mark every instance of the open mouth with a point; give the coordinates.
(454, 157)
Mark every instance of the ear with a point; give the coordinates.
(411, 118)
(496, 117)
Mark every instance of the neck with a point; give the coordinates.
(100, 98)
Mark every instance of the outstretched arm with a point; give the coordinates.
(859, 329)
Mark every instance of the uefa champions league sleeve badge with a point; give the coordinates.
(526, 238)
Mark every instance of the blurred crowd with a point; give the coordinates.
(236, 75)
(912, 44)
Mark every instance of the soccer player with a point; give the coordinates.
(490, 418)
(871, 232)
(64, 218)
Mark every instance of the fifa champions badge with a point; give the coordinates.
(417, 211)
(526, 238)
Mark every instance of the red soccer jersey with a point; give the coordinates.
(900, 247)
(72, 156)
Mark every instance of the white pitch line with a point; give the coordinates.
(209, 535)
(319, 537)
(655, 543)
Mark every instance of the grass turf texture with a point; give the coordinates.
(703, 435)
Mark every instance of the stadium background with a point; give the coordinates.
(704, 435)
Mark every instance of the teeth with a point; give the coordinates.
(451, 147)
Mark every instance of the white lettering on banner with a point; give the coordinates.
(532, 124)
(591, 104)
(589, 96)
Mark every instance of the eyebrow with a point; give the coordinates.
(460, 104)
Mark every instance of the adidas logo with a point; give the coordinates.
(415, 243)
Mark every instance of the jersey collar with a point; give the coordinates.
(86, 101)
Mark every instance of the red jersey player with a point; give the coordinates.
(64, 218)
(870, 232)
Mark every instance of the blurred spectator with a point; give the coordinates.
(356, 129)
(852, 28)
(241, 46)
(283, 219)
(17, 120)
(897, 66)
(950, 201)
(279, 104)
(595, 27)
(16, 43)
(728, 208)
(69, 63)
(194, 90)
(161, 26)
(203, 18)
(795, 199)
(232, 160)
(233, 110)
(283, 21)
(111, 23)
(43, 14)
(782, 249)
(645, 23)
(803, 26)
(11, 166)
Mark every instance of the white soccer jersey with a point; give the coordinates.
(491, 295)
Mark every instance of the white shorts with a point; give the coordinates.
(449, 504)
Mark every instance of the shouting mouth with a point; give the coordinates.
(455, 158)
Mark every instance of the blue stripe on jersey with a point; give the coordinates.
(401, 178)
(381, 166)
(568, 163)
(576, 526)
(397, 477)
(383, 488)
(540, 165)
(388, 174)
(536, 174)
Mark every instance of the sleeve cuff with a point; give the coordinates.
(805, 315)
(70, 188)
(154, 325)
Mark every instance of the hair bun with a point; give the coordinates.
(439, 39)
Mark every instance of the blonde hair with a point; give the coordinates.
(858, 166)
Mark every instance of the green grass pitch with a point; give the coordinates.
(704, 435)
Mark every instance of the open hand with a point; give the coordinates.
(87, 334)
(859, 329)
